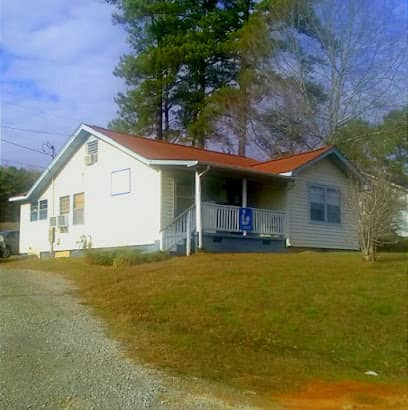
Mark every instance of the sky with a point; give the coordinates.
(56, 71)
(56, 64)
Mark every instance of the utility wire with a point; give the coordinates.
(7, 127)
(25, 147)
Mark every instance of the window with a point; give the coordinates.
(78, 217)
(34, 211)
(324, 204)
(38, 210)
(64, 205)
(120, 182)
(317, 204)
(62, 220)
(333, 205)
(43, 214)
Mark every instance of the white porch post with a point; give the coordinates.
(244, 193)
(198, 209)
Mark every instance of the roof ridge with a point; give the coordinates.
(325, 147)
(177, 144)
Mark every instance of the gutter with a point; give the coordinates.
(247, 171)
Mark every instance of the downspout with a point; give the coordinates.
(287, 224)
(52, 229)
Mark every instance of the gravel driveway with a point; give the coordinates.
(54, 354)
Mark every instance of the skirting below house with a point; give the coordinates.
(153, 247)
(224, 242)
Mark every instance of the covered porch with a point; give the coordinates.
(221, 210)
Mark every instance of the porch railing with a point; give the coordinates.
(219, 218)
(225, 218)
(179, 230)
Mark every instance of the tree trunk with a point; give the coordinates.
(242, 145)
(166, 116)
(159, 120)
(200, 138)
(243, 115)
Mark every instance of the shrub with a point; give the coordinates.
(123, 257)
(400, 245)
(156, 256)
(127, 258)
(96, 257)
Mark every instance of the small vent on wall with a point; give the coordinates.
(92, 153)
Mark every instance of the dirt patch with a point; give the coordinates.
(346, 396)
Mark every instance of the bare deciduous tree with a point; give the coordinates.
(347, 62)
(379, 213)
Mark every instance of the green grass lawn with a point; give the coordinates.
(262, 322)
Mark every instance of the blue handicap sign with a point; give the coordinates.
(245, 219)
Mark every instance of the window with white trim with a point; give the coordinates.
(64, 205)
(325, 204)
(64, 209)
(78, 209)
(43, 209)
(39, 210)
(120, 182)
(34, 211)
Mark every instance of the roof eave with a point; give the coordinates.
(18, 198)
(246, 170)
(51, 167)
(339, 155)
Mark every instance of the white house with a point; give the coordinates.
(106, 189)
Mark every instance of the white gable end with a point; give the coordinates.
(111, 218)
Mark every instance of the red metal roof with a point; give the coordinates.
(161, 150)
(290, 162)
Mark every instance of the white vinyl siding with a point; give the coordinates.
(303, 232)
(109, 221)
(167, 199)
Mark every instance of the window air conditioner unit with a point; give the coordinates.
(91, 159)
(53, 221)
(62, 221)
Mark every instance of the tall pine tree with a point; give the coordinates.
(195, 66)
(150, 71)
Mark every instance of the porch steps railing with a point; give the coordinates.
(179, 230)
